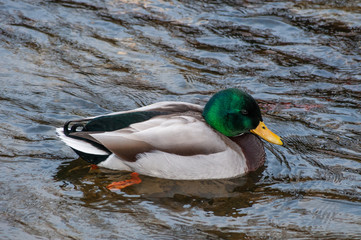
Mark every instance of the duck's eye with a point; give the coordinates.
(244, 112)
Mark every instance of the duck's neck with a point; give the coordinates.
(253, 150)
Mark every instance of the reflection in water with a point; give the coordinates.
(77, 173)
(61, 60)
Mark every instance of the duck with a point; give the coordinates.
(175, 140)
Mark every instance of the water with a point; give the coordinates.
(61, 60)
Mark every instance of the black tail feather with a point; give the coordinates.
(91, 158)
(73, 129)
(74, 125)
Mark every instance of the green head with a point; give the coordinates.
(232, 112)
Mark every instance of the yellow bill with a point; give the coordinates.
(262, 131)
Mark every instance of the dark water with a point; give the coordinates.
(61, 60)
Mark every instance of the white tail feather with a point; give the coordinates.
(79, 145)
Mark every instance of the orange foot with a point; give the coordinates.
(93, 167)
(123, 184)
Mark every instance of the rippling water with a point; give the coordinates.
(61, 60)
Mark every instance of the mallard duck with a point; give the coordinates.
(176, 140)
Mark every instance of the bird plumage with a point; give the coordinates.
(168, 140)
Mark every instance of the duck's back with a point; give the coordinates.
(78, 133)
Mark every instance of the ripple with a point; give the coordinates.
(68, 59)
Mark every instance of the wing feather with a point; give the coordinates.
(185, 136)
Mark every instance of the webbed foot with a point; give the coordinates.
(126, 183)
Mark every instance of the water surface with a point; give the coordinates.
(61, 60)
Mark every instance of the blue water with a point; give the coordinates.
(61, 60)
